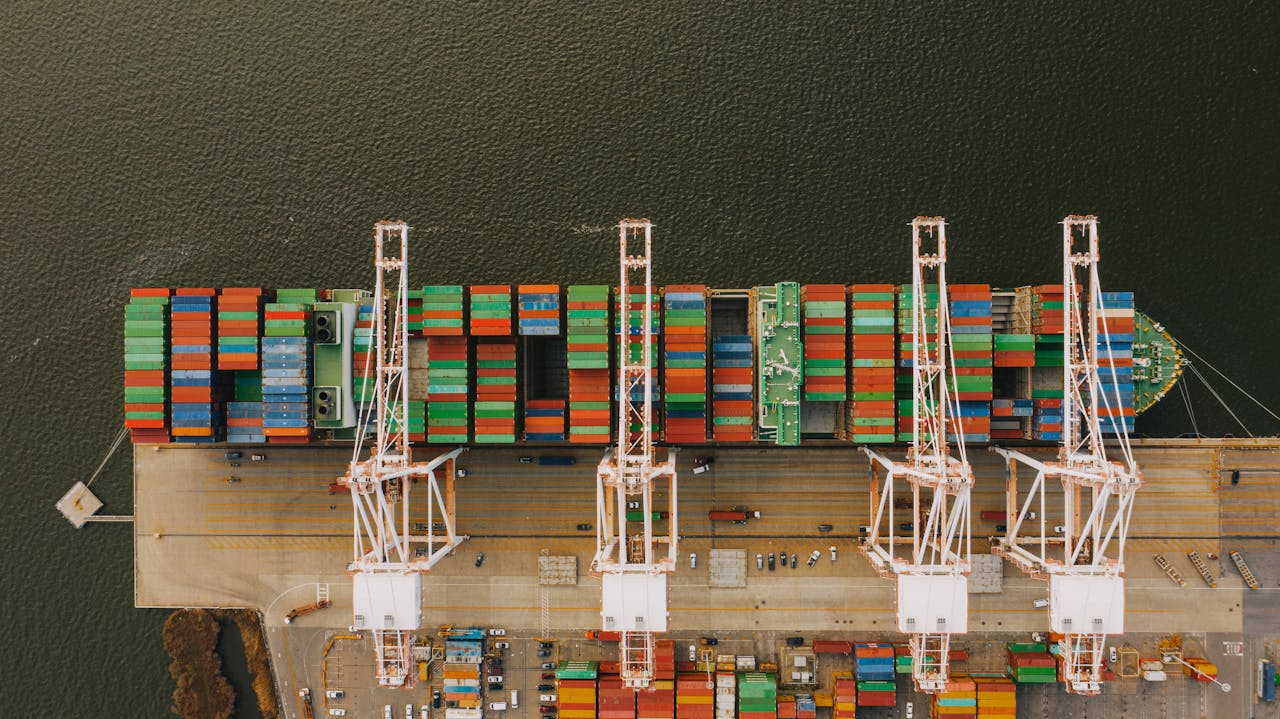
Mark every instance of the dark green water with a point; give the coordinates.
(145, 145)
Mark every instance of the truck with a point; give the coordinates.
(1266, 682)
(639, 516)
(992, 515)
(305, 610)
(562, 460)
(308, 712)
(732, 515)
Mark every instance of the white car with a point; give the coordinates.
(408, 711)
(911, 710)
(693, 560)
(386, 712)
(633, 505)
(495, 679)
(497, 706)
(497, 632)
(502, 645)
(334, 694)
(546, 697)
(813, 558)
(424, 712)
(693, 653)
(759, 561)
(1113, 655)
(337, 712)
(1040, 603)
(832, 549)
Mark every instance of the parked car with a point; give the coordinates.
(759, 561)
(479, 558)
(795, 641)
(526, 459)
(546, 709)
(462, 474)
(546, 645)
(497, 706)
(693, 652)
(546, 687)
(502, 645)
(258, 458)
(813, 558)
(334, 694)
(435, 700)
(386, 711)
(633, 505)
(832, 549)
(1040, 603)
(424, 712)
(773, 562)
(693, 560)
(1112, 655)
(584, 527)
(408, 711)
(544, 652)
(495, 679)
(548, 665)
(497, 632)
(548, 675)
(232, 455)
(710, 641)
(546, 697)
(337, 712)
(827, 528)
(782, 558)
(793, 561)
(1059, 529)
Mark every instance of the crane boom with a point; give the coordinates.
(629, 559)
(389, 557)
(933, 598)
(1086, 585)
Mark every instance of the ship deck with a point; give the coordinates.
(265, 542)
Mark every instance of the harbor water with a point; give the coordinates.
(178, 144)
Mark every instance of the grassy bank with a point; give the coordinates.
(202, 692)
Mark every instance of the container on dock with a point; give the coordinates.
(442, 307)
(1030, 663)
(757, 695)
(825, 368)
(694, 699)
(615, 700)
(997, 697)
(448, 388)
(490, 310)
(870, 413)
(146, 365)
(588, 359)
(539, 309)
(685, 363)
(844, 696)
(194, 414)
(958, 699)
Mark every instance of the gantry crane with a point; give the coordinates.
(390, 557)
(1086, 586)
(630, 559)
(933, 589)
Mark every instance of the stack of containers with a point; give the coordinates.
(732, 412)
(786, 706)
(244, 412)
(239, 325)
(539, 311)
(1006, 417)
(844, 698)
(192, 410)
(997, 698)
(286, 367)
(1030, 663)
(491, 310)
(825, 370)
(413, 301)
(616, 700)
(364, 365)
(634, 348)
(588, 348)
(658, 701)
(544, 420)
(463, 655)
(442, 311)
(874, 666)
(417, 420)
(1201, 669)
(906, 328)
(576, 689)
(870, 414)
(757, 696)
(971, 346)
(664, 659)
(1013, 350)
(447, 388)
(958, 699)
(1115, 362)
(806, 707)
(1047, 323)
(694, 699)
(726, 695)
(685, 363)
(495, 413)
(145, 334)
(239, 313)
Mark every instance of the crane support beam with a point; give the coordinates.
(931, 568)
(1086, 583)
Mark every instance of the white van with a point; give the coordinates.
(1040, 603)
(497, 706)
(515, 699)
(546, 697)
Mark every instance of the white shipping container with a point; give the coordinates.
(476, 713)
(1151, 665)
(1155, 676)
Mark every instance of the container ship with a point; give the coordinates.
(788, 364)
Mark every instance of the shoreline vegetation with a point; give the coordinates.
(202, 691)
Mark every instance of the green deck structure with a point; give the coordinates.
(779, 358)
(1157, 363)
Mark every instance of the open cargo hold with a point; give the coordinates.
(870, 411)
(490, 310)
(495, 407)
(588, 358)
(146, 365)
(193, 408)
(685, 363)
(631, 335)
(539, 309)
(825, 368)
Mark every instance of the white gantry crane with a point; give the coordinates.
(630, 560)
(933, 588)
(1086, 586)
(390, 557)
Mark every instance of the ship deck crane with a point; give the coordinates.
(933, 598)
(1086, 586)
(389, 557)
(630, 558)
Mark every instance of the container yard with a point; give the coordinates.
(499, 403)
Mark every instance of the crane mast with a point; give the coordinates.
(1086, 586)
(389, 558)
(630, 559)
(933, 594)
